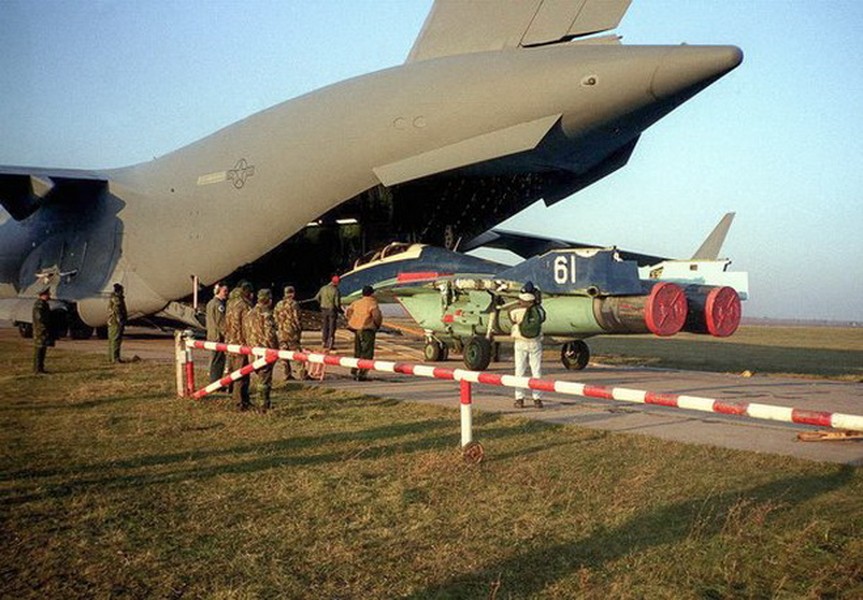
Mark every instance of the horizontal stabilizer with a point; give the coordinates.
(460, 27)
(23, 190)
(502, 142)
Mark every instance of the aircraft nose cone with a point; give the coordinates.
(687, 67)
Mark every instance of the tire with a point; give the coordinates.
(575, 355)
(80, 331)
(59, 324)
(25, 329)
(432, 351)
(477, 354)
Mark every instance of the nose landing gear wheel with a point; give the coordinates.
(575, 355)
(435, 351)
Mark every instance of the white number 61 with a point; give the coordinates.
(564, 270)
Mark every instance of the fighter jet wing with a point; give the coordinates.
(22, 189)
(459, 27)
(527, 246)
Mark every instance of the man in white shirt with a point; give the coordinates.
(527, 318)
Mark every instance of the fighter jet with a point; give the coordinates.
(462, 302)
(498, 105)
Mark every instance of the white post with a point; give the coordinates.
(466, 415)
(195, 285)
(180, 361)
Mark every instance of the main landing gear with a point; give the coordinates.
(477, 353)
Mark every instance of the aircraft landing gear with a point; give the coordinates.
(477, 353)
(575, 355)
(435, 351)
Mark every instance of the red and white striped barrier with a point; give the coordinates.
(230, 378)
(466, 377)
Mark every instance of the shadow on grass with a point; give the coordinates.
(28, 405)
(276, 454)
(530, 571)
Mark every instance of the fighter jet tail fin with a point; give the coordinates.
(712, 246)
(458, 27)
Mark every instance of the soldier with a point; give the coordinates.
(216, 329)
(331, 305)
(239, 303)
(42, 337)
(260, 329)
(290, 330)
(117, 317)
(364, 319)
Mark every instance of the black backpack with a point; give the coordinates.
(531, 323)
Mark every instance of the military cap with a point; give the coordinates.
(246, 286)
(264, 294)
(289, 289)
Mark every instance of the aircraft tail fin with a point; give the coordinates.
(710, 248)
(458, 27)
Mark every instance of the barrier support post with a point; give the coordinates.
(471, 451)
(180, 362)
(466, 415)
(190, 366)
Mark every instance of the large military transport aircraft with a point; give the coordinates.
(498, 105)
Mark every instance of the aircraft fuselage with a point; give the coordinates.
(229, 198)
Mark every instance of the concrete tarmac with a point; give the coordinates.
(662, 422)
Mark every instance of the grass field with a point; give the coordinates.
(831, 352)
(112, 487)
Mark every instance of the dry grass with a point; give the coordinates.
(830, 352)
(111, 487)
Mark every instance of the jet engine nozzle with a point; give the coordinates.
(662, 311)
(714, 310)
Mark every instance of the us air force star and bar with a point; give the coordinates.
(237, 176)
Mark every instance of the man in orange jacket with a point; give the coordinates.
(364, 319)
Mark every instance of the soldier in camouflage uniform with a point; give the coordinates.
(239, 303)
(42, 337)
(216, 329)
(117, 317)
(289, 330)
(260, 329)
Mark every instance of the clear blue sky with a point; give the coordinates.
(106, 83)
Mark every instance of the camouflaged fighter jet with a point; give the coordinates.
(462, 302)
(498, 105)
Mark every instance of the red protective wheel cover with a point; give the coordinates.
(665, 310)
(722, 311)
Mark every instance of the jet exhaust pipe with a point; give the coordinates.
(712, 310)
(662, 311)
